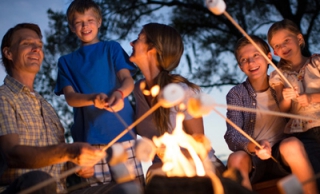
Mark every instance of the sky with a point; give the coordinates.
(13, 12)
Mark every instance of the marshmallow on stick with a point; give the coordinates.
(201, 104)
(218, 7)
(171, 95)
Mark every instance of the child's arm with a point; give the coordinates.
(306, 99)
(127, 85)
(75, 99)
(284, 96)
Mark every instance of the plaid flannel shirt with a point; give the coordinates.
(241, 95)
(33, 119)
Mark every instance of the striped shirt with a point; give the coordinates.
(35, 121)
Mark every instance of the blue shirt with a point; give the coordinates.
(93, 69)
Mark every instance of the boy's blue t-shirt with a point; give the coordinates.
(93, 69)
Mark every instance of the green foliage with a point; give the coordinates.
(209, 39)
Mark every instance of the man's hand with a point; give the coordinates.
(86, 172)
(83, 154)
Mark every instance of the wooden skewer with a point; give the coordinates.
(51, 180)
(75, 169)
(151, 110)
(243, 133)
(257, 47)
(281, 114)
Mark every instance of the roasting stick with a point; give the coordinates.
(51, 180)
(146, 114)
(242, 132)
(218, 7)
(122, 121)
(201, 104)
(281, 114)
(258, 48)
(172, 95)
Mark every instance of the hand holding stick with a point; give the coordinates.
(218, 7)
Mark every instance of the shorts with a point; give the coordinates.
(102, 174)
(263, 170)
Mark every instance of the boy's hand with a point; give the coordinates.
(100, 100)
(265, 152)
(115, 101)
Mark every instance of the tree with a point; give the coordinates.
(208, 38)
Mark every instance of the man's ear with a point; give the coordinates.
(7, 53)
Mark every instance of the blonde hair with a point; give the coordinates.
(284, 25)
(80, 6)
(168, 43)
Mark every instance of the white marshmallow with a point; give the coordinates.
(171, 95)
(216, 6)
(290, 185)
(145, 149)
(200, 105)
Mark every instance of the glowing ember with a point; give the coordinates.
(155, 90)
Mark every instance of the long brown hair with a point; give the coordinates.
(284, 25)
(169, 46)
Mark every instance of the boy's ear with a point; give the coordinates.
(99, 23)
(72, 28)
(240, 67)
(269, 55)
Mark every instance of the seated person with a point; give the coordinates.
(255, 164)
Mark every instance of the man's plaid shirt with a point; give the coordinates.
(33, 118)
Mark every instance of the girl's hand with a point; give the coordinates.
(115, 101)
(100, 100)
(265, 152)
(304, 99)
(289, 93)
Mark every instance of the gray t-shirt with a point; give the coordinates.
(269, 127)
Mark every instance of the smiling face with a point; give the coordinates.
(140, 50)
(86, 26)
(25, 52)
(286, 44)
(251, 62)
